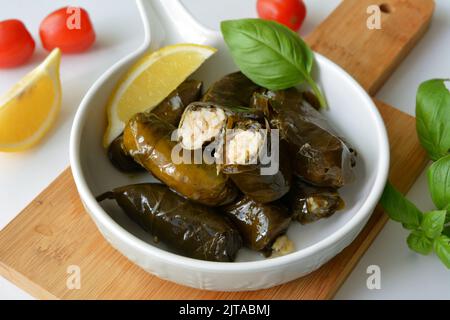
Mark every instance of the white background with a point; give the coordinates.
(404, 275)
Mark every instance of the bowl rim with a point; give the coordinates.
(153, 252)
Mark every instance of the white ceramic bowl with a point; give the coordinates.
(351, 112)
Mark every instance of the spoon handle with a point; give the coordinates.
(169, 21)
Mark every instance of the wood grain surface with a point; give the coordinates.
(371, 56)
(54, 232)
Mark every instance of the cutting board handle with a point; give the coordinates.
(370, 55)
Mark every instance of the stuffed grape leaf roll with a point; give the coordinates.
(190, 229)
(248, 149)
(309, 203)
(170, 110)
(149, 140)
(321, 157)
(259, 224)
(233, 90)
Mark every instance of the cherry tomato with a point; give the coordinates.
(291, 13)
(69, 29)
(16, 43)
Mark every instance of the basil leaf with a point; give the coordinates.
(418, 242)
(446, 231)
(399, 208)
(439, 182)
(433, 117)
(442, 249)
(433, 223)
(409, 226)
(270, 54)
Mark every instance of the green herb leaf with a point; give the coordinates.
(409, 226)
(433, 223)
(399, 208)
(270, 54)
(446, 231)
(433, 118)
(442, 249)
(439, 182)
(418, 242)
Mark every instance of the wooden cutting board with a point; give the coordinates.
(54, 231)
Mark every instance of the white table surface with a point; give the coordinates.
(404, 275)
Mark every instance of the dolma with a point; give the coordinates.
(309, 203)
(233, 90)
(172, 107)
(259, 224)
(321, 157)
(201, 124)
(244, 150)
(148, 139)
(170, 110)
(120, 159)
(190, 229)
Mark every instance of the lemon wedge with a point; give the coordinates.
(151, 79)
(30, 107)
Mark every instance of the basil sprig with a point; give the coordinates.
(270, 54)
(430, 231)
(426, 228)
